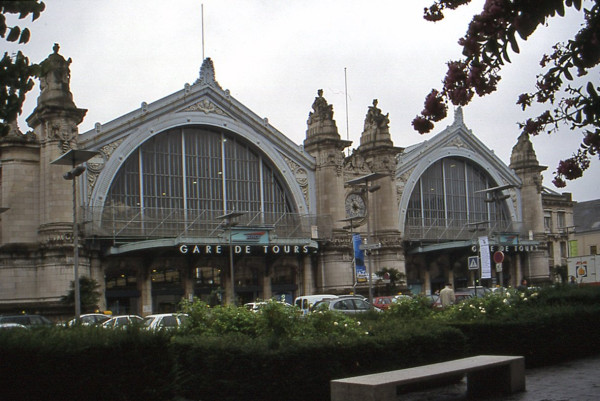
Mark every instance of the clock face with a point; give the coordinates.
(355, 206)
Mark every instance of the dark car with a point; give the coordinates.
(459, 296)
(481, 291)
(27, 320)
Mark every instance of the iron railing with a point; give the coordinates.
(456, 230)
(134, 223)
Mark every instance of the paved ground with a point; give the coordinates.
(577, 380)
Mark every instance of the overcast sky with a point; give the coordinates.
(274, 55)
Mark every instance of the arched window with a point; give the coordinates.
(448, 201)
(196, 173)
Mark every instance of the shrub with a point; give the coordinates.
(410, 308)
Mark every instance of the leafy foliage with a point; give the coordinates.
(410, 308)
(88, 293)
(492, 37)
(15, 70)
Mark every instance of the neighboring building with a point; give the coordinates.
(559, 226)
(195, 195)
(587, 228)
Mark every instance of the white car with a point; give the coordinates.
(257, 306)
(165, 321)
(122, 322)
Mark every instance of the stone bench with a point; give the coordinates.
(485, 374)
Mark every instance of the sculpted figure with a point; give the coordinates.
(375, 119)
(321, 110)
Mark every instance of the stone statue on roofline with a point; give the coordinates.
(375, 120)
(321, 110)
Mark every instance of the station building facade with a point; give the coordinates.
(194, 195)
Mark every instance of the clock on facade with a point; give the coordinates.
(355, 206)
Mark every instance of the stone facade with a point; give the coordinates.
(145, 265)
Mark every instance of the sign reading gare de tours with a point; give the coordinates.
(247, 242)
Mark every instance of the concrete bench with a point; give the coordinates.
(485, 374)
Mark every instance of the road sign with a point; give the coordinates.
(498, 256)
(473, 263)
(367, 247)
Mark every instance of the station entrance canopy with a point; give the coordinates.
(504, 243)
(202, 232)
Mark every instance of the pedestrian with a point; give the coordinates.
(447, 296)
(523, 286)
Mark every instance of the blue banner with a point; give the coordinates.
(359, 260)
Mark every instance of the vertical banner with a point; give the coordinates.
(484, 253)
(359, 259)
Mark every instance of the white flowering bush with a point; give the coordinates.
(418, 307)
(326, 323)
(491, 306)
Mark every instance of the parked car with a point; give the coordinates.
(90, 319)
(306, 302)
(350, 305)
(4, 326)
(460, 296)
(122, 322)
(383, 302)
(256, 306)
(165, 321)
(27, 320)
(481, 291)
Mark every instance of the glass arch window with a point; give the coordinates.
(197, 172)
(446, 204)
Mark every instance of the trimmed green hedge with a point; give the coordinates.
(85, 364)
(285, 358)
(228, 368)
(548, 336)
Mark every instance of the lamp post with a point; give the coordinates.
(568, 230)
(351, 226)
(75, 158)
(364, 183)
(226, 220)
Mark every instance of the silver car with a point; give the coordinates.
(350, 305)
(165, 321)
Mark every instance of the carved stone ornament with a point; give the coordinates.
(205, 106)
(457, 142)
(301, 177)
(97, 163)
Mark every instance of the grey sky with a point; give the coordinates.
(273, 56)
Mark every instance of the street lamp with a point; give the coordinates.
(568, 230)
(75, 158)
(226, 220)
(364, 182)
(350, 227)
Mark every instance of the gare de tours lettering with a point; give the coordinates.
(245, 249)
(508, 248)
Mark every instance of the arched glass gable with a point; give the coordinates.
(447, 202)
(197, 173)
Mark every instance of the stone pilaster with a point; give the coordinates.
(55, 121)
(524, 162)
(323, 142)
(19, 158)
